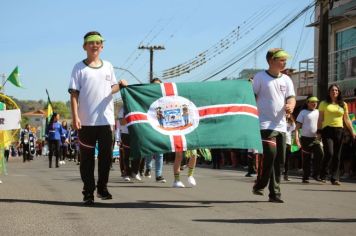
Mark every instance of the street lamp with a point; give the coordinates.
(135, 77)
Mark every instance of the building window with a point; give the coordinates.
(38, 119)
(344, 58)
(346, 39)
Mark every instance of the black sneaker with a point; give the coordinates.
(248, 175)
(286, 178)
(88, 198)
(257, 191)
(148, 173)
(335, 182)
(275, 200)
(104, 194)
(316, 178)
(160, 179)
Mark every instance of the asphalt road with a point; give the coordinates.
(36, 200)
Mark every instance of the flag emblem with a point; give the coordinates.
(173, 115)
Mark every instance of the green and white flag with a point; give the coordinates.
(14, 77)
(173, 117)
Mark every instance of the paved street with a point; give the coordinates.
(36, 200)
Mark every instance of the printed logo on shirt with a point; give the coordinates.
(108, 78)
(282, 88)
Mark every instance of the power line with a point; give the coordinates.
(264, 41)
(221, 46)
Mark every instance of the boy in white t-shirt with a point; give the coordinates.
(310, 141)
(275, 97)
(91, 89)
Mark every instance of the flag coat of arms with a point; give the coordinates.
(175, 117)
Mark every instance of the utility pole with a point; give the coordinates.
(323, 49)
(152, 49)
(3, 76)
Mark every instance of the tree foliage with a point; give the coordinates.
(62, 109)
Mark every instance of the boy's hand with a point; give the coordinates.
(123, 83)
(77, 124)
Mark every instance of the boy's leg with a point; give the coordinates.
(266, 160)
(87, 138)
(176, 170)
(105, 139)
(306, 157)
(126, 153)
(191, 167)
(307, 150)
(158, 164)
(192, 162)
(318, 158)
(142, 166)
(148, 162)
(176, 166)
(286, 162)
(275, 179)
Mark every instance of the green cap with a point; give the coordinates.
(313, 99)
(93, 38)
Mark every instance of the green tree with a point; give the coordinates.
(24, 121)
(62, 109)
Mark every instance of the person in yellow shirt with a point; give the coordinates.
(333, 113)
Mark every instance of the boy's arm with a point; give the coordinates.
(296, 132)
(290, 104)
(116, 87)
(74, 107)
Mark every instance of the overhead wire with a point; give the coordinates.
(302, 12)
(218, 47)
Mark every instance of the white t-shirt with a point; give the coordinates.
(290, 129)
(309, 121)
(96, 106)
(271, 99)
(123, 128)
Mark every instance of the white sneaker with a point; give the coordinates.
(136, 177)
(63, 162)
(0, 182)
(191, 181)
(178, 184)
(126, 178)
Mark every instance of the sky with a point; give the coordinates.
(44, 38)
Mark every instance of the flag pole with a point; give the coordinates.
(48, 98)
(4, 76)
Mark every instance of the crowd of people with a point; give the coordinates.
(319, 132)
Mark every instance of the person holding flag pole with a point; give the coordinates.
(91, 87)
(275, 97)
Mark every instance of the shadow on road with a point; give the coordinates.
(279, 221)
(108, 204)
(203, 202)
(137, 186)
(329, 190)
